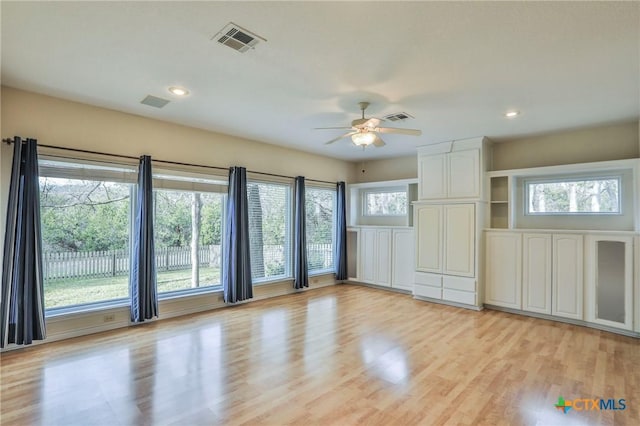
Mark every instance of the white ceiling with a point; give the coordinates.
(456, 66)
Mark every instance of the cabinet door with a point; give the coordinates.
(432, 171)
(464, 174)
(609, 288)
(429, 223)
(536, 273)
(403, 256)
(503, 269)
(368, 255)
(383, 257)
(567, 284)
(459, 240)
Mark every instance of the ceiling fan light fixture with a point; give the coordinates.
(363, 138)
(178, 91)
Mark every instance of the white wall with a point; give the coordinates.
(60, 122)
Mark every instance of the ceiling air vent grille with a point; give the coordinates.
(154, 101)
(398, 116)
(237, 38)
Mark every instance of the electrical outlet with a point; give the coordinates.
(109, 318)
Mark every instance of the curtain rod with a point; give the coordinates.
(130, 157)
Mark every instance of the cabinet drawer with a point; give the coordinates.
(432, 280)
(427, 291)
(459, 283)
(459, 296)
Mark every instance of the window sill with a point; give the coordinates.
(88, 308)
(178, 294)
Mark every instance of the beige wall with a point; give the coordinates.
(55, 121)
(387, 169)
(613, 142)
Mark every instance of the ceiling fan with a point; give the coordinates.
(364, 131)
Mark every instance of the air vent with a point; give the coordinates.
(154, 101)
(398, 116)
(237, 38)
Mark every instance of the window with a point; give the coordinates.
(269, 230)
(86, 221)
(320, 222)
(593, 195)
(385, 203)
(188, 221)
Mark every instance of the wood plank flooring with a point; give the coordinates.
(341, 355)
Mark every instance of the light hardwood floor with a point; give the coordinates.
(340, 355)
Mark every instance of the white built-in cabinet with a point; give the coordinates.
(567, 276)
(445, 241)
(446, 252)
(386, 257)
(583, 276)
(609, 285)
(449, 175)
(376, 256)
(536, 273)
(402, 259)
(503, 269)
(459, 240)
(447, 219)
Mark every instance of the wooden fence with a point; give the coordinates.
(100, 264)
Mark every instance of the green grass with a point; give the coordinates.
(65, 292)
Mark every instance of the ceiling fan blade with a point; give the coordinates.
(412, 132)
(378, 142)
(340, 137)
(372, 123)
(332, 128)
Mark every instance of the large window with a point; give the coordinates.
(269, 230)
(594, 195)
(86, 219)
(188, 220)
(320, 221)
(390, 202)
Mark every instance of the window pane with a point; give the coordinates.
(269, 230)
(85, 236)
(386, 203)
(188, 236)
(592, 196)
(320, 206)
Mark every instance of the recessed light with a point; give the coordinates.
(178, 91)
(512, 114)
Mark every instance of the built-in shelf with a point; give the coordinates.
(499, 201)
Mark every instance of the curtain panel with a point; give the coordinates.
(144, 291)
(236, 261)
(300, 267)
(341, 232)
(22, 309)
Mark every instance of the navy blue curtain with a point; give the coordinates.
(144, 291)
(236, 260)
(341, 233)
(22, 308)
(300, 268)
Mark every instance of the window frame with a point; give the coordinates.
(288, 237)
(316, 272)
(526, 182)
(53, 166)
(385, 190)
(171, 180)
